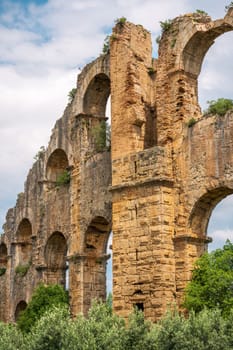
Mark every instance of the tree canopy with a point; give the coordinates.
(212, 281)
(43, 299)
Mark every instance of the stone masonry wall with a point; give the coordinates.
(154, 188)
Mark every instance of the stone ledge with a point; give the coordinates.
(156, 182)
(193, 239)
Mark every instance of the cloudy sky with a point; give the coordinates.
(43, 43)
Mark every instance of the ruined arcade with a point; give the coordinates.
(154, 188)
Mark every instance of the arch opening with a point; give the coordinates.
(57, 166)
(96, 96)
(55, 258)
(3, 256)
(197, 47)
(97, 107)
(216, 83)
(21, 306)
(95, 263)
(24, 244)
(220, 225)
(203, 208)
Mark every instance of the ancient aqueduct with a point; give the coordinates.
(155, 189)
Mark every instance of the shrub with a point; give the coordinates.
(40, 153)
(102, 136)
(71, 95)
(22, 269)
(63, 179)
(121, 21)
(140, 334)
(166, 25)
(206, 330)
(229, 6)
(51, 330)
(201, 12)
(2, 271)
(106, 46)
(102, 330)
(151, 71)
(191, 122)
(10, 337)
(43, 298)
(220, 106)
(106, 328)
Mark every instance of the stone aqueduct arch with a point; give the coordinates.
(155, 190)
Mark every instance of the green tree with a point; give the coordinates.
(43, 298)
(10, 337)
(140, 333)
(212, 281)
(220, 106)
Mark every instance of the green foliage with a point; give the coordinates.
(121, 21)
(212, 281)
(51, 331)
(43, 298)
(40, 153)
(151, 71)
(191, 122)
(10, 337)
(106, 46)
(173, 42)
(207, 330)
(220, 106)
(22, 269)
(102, 330)
(166, 25)
(107, 328)
(102, 136)
(139, 334)
(63, 179)
(157, 40)
(229, 6)
(2, 271)
(201, 12)
(71, 95)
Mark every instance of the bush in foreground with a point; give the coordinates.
(102, 330)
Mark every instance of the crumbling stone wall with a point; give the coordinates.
(155, 189)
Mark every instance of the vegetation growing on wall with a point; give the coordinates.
(121, 21)
(102, 136)
(71, 95)
(40, 153)
(229, 6)
(22, 269)
(166, 25)
(201, 12)
(106, 45)
(63, 179)
(2, 271)
(191, 122)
